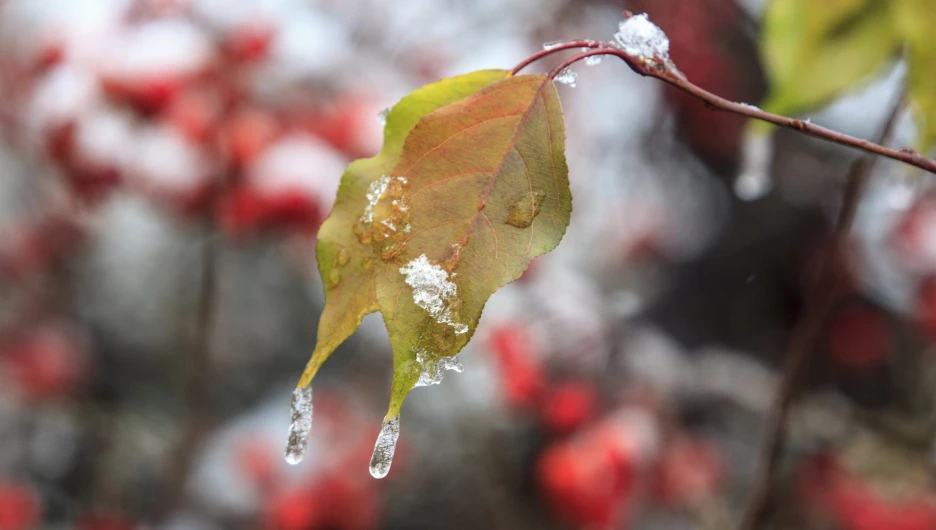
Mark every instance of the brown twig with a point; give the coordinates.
(197, 399)
(822, 298)
(664, 71)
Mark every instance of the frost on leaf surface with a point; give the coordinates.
(472, 184)
(639, 37)
(433, 291)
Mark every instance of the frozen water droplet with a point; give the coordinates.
(433, 370)
(524, 208)
(639, 37)
(592, 60)
(300, 424)
(567, 77)
(385, 447)
(382, 117)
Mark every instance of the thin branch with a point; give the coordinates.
(570, 45)
(197, 400)
(669, 74)
(822, 298)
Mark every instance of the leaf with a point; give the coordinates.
(814, 50)
(345, 262)
(482, 189)
(916, 20)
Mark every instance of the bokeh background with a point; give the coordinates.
(165, 164)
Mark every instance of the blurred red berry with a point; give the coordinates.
(587, 480)
(47, 363)
(521, 376)
(247, 135)
(19, 507)
(690, 470)
(350, 125)
(569, 406)
(245, 210)
(251, 41)
(195, 114)
(258, 460)
(859, 337)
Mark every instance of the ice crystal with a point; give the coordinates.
(434, 369)
(300, 424)
(382, 117)
(432, 290)
(567, 77)
(640, 38)
(374, 192)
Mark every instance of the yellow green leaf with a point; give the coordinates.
(916, 20)
(346, 259)
(816, 49)
(480, 190)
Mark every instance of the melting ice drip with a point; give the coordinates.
(300, 424)
(432, 290)
(374, 192)
(385, 447)
(433, 370)
(639, 37)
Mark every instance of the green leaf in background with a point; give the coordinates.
(916, 21)
(816, 49)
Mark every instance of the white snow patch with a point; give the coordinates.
(432, 290)
(639, 37)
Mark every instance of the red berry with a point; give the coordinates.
(19, 507)
(522, 379)
(689, 471)
(248, 134)
(569, 406)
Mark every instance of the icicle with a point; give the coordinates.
(434, 370)
(301, 423)
(382, 116)
(567, 77)
(385, 446)
(592, 60)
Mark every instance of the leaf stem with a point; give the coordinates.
(669, 74)
(572, 44)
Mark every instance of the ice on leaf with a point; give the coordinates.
(433, 291)
(434, 369)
